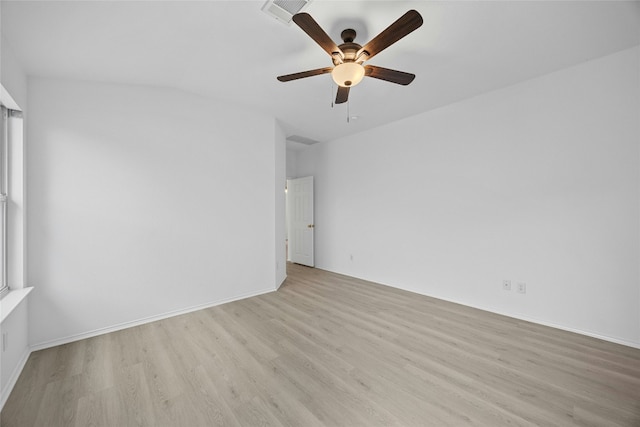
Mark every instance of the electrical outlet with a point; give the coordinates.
(351, 257)
(522, 287)
(506, 285)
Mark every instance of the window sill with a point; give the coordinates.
(12, 300)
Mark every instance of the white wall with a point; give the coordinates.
(143, 202)
(292, 164)
(536, 183)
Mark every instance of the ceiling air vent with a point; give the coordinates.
(283, 10)
(302, 140)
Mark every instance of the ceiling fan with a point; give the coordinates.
(348, 57)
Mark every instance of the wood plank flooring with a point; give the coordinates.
(330, 350)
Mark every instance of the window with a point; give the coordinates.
(12, 201)
(4, 176)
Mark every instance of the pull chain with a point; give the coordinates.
(331, 92)
(348, 116)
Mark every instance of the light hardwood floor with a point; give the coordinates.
(336, 351)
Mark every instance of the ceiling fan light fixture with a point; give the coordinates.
(348, 74)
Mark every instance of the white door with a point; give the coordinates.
(301, 227)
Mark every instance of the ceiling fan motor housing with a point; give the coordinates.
(348, 48)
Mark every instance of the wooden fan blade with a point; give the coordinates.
(303, 74)
(407, 23)
(393, 76)
(343, 95)
(313, 30)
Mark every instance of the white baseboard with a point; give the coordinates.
(536, 321)
(283, 280)
(543, 323)
(565, 328)
(6, 391)
(125, 325)
(518, 316)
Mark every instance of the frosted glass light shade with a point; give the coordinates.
(348, 74)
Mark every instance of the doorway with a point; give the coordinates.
(300, 225)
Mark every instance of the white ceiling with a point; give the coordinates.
(232, 51)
